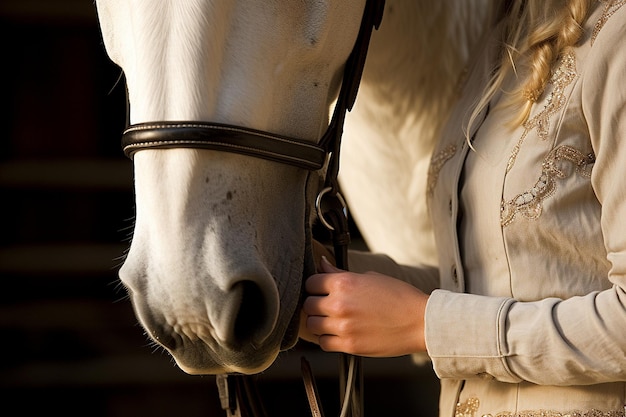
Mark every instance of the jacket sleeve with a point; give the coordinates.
(577, 341)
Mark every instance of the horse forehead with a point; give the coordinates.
(194, 24)
(266, 64)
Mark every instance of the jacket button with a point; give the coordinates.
(450, 207)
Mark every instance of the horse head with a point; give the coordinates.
(222, 241)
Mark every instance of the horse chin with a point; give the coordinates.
(200, 359)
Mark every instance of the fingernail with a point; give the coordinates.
(327, 266)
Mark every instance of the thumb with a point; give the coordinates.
(328, 267)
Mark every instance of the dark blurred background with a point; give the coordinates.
(70, 343)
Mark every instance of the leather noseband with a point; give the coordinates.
(226, 138)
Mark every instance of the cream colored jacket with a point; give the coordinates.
(530, 319)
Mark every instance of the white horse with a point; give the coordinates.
(222, 241)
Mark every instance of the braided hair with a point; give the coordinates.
(535, 35)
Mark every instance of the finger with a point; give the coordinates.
(322, 284)
(314, 306)
(318, 284)
(319, 325)
(332, 343)
(304, 332)
(328, 267)
(316, 325)
(320, 251)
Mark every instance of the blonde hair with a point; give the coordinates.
(535, 35)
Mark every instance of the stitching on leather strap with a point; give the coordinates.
(220, 146)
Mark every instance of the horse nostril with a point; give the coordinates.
(254, 320)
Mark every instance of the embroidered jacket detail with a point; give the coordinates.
(562, 77)
(530, 203)
(549, 413)
(609, 10)
(437, 162)
(469, 408)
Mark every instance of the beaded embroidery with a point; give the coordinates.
(609, 10)
(436, 163)
(529, 203)
(467, 408)
(470, 407)
(549, 413)
(563, 76)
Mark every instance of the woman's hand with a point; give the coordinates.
(363, 314)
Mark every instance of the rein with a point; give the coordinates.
(330, 205)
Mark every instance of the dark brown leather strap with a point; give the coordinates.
(311, 389)
(219, 137)
(233, 390)
(372, 18)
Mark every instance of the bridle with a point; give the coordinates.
(330, 205)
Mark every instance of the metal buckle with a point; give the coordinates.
(321, 203)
